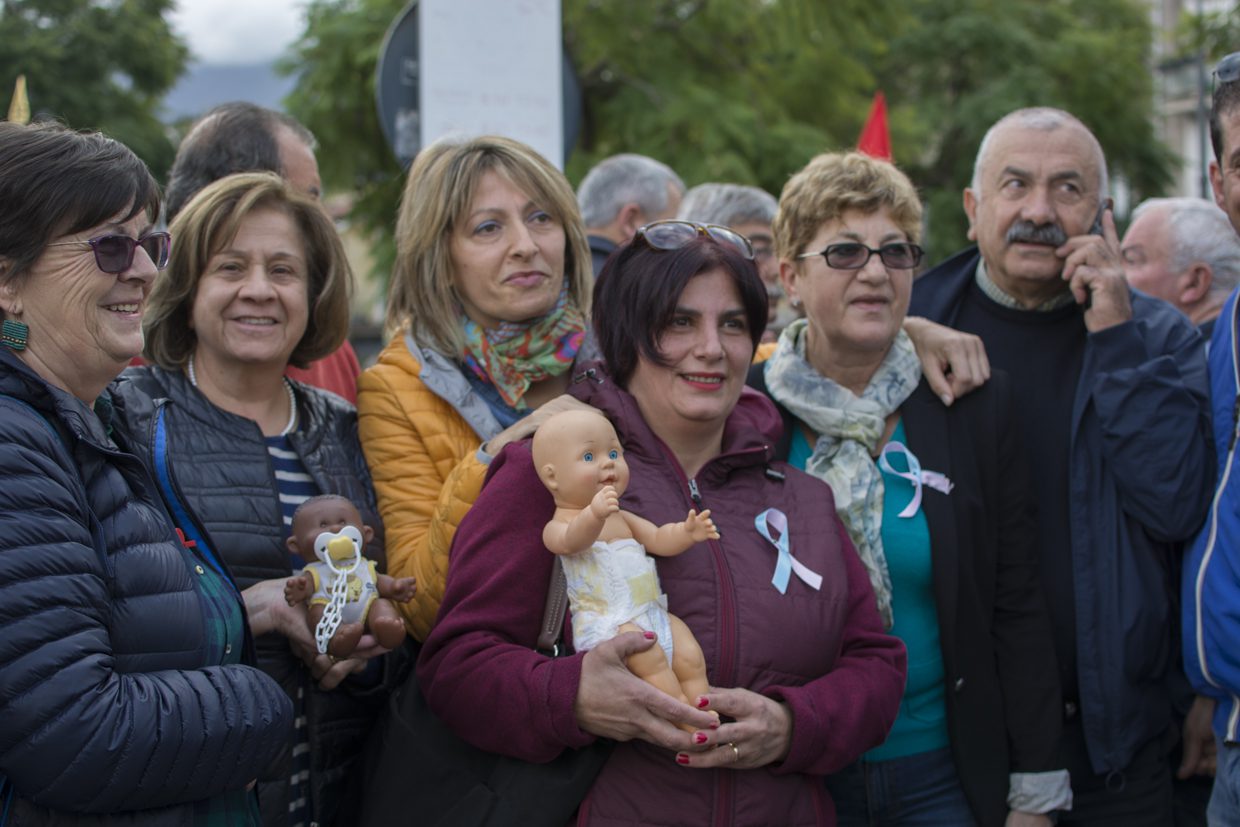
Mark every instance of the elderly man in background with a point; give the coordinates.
(620, 194)
(1183, 251)
(749, 211)
(242, 137)
(1211, 585)
(1111, 399)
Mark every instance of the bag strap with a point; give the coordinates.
(550, 635)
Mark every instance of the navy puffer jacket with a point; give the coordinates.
(106, 702)
(218, 464)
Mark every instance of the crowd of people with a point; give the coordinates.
(966, 548)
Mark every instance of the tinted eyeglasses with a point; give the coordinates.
(850, 255)
(1228, 69)
(673, 234)
(114, 253)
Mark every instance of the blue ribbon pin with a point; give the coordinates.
(775, 520)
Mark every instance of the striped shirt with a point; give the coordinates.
(295, 486)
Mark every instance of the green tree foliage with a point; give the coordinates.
(748, 90)
(335, 63)
(957, 66)
(1215, 32)
(95, 64)
(723, 90)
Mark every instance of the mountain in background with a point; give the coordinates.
(205, 85)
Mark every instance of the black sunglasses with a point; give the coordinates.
(1228, 69)
(672, 234)
(851, 255)
(114, 253)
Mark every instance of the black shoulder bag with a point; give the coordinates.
(417, 771)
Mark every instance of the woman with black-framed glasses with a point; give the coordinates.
(936, 503)
(123, 686)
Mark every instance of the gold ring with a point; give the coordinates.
(736, 752)
(333, 659)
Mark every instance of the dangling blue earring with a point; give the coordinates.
(14, 334)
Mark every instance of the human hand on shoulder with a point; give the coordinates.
(954, 363)
(526, 426)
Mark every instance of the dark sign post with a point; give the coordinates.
(399, 87)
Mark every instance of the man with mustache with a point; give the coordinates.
(1111, 398)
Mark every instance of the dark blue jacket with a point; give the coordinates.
(219, 467)
(1140, 482)
(1211, 586)
(106, 704)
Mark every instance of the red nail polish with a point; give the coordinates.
(681, 758)
(703, 703)
(715, 725)
(649, 635)
(699, 738)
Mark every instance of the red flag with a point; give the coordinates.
(875, 140)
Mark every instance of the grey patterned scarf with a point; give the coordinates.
(849, 430)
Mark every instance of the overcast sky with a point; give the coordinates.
(238, 31)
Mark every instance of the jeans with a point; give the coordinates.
(1224, 809)
(914, 791)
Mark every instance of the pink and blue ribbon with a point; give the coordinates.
(773, 521)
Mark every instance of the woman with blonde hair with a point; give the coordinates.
(487, 310)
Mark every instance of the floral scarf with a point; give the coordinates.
(850, 429)
(515, 355)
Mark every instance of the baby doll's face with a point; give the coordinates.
(586, 456)
(330, 515)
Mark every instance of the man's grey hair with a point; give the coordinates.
(625, 179)
(728, 204)
(1199, 231)
(1043, 119)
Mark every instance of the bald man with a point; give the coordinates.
(1112, 404)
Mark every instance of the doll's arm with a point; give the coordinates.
(399, 589)
(298, 589)
(579, 533)
(672, 538)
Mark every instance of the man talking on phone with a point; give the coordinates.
(1111, 400)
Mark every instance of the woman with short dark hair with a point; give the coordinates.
(801, 674)
(258, 280)
(122, 686)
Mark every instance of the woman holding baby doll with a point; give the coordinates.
(802, 678)
(258, 280)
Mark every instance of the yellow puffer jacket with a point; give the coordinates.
(422, 457)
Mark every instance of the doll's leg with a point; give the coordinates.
(688, 662)
(347, 635)
(385, 623)
(345, 640)
(652, 667)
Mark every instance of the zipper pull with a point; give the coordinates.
(695, 494)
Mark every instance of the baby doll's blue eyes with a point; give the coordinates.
(613, 454)
(588, 456)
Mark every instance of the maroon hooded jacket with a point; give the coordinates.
(823, 653)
